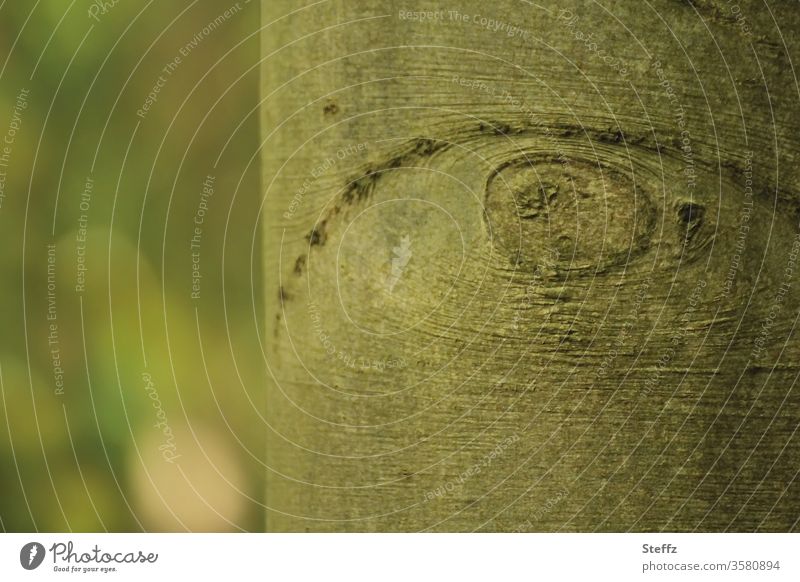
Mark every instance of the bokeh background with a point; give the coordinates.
(131, 378)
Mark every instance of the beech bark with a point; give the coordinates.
(531, 266)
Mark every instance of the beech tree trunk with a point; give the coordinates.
(532, 266)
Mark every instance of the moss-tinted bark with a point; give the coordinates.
(532, 266)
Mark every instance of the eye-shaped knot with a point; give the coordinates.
(592, 215)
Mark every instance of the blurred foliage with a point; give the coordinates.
(92, 458)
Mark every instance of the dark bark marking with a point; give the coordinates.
(299, 265)
(330, 109)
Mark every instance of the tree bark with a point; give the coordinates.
(531, 266)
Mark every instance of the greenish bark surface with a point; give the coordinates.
(531, 266)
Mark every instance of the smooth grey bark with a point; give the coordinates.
(531, 266)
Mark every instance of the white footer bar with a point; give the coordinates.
(400, 557)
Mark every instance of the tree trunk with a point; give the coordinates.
(531, 266)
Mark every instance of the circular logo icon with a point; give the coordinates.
(31, 555)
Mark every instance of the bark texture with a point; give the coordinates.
(531, 266)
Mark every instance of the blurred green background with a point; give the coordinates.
(128, 403)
